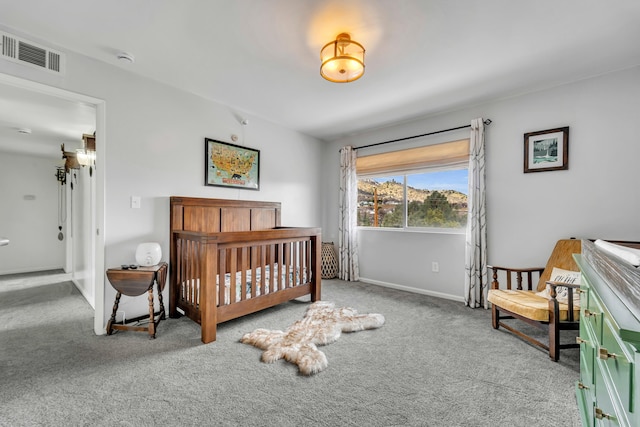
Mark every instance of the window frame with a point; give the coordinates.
(405, 206)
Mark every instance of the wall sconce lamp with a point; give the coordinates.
(342, 60)
(85, 156)
(70, 159)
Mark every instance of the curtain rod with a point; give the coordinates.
(486, 122)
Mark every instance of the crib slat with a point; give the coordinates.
(188, 277)
(233, 267)
(188, 267)
(272, 271)
(254, 279)
(287, 265)
(194, 275)
(197, 273)
(185, 271)
(177, 273)
(222, 268)
(296, 263)
(314, 277)
(308, 278)
(244, 267)
(263, 273)
(304, 263)
(279, 284)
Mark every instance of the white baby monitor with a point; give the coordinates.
(148, 254)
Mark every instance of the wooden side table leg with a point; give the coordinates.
(112, 320)
(152, 324)
(162, 312)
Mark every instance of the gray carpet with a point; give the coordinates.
(434, 363)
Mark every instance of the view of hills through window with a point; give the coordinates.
(434, 199)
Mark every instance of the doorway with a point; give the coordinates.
(84, 244)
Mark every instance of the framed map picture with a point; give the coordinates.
(229, 165)
(546, 150)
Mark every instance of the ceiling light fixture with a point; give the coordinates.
(342, 60)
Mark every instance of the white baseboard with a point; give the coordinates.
(414, 290)
(29, 270)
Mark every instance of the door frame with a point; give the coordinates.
(98, 220)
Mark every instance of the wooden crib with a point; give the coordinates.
(230, 258)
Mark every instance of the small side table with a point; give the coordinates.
(135, 282)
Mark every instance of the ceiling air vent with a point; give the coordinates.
(25, 52)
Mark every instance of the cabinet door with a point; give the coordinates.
(604, 411)
(619, 366)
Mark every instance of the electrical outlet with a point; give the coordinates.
(435, 267)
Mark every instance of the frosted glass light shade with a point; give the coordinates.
(148, 254)
(85, 158)
(342, 60)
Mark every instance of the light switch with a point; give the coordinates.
(135, 202)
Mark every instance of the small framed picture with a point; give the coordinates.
(546, 150)
(230, 165)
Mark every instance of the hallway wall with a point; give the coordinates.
(29, 214)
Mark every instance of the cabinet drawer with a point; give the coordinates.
(585, 400)
(604, 411)
(588, 346)
(593, 314)
(618, 365)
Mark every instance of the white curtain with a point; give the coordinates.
(347, 232)
(476, 281)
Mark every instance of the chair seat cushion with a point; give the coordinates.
(527, 304)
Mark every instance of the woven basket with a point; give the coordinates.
(329, 261)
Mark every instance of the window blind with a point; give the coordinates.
(415, 159)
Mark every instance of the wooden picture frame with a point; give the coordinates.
(230, 165)
(546, 150)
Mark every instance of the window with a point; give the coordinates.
(416, 188)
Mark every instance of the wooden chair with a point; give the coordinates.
(524, 304)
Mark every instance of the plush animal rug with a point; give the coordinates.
(322, 324)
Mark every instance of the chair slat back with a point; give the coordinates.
(561, 257)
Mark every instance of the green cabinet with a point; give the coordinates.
(607, 392)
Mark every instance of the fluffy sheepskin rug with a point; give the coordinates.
(322, 324)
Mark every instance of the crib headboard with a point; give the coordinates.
(222, 215)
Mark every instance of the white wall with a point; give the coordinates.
(30, 225)
(154, 148)
(527, 213)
